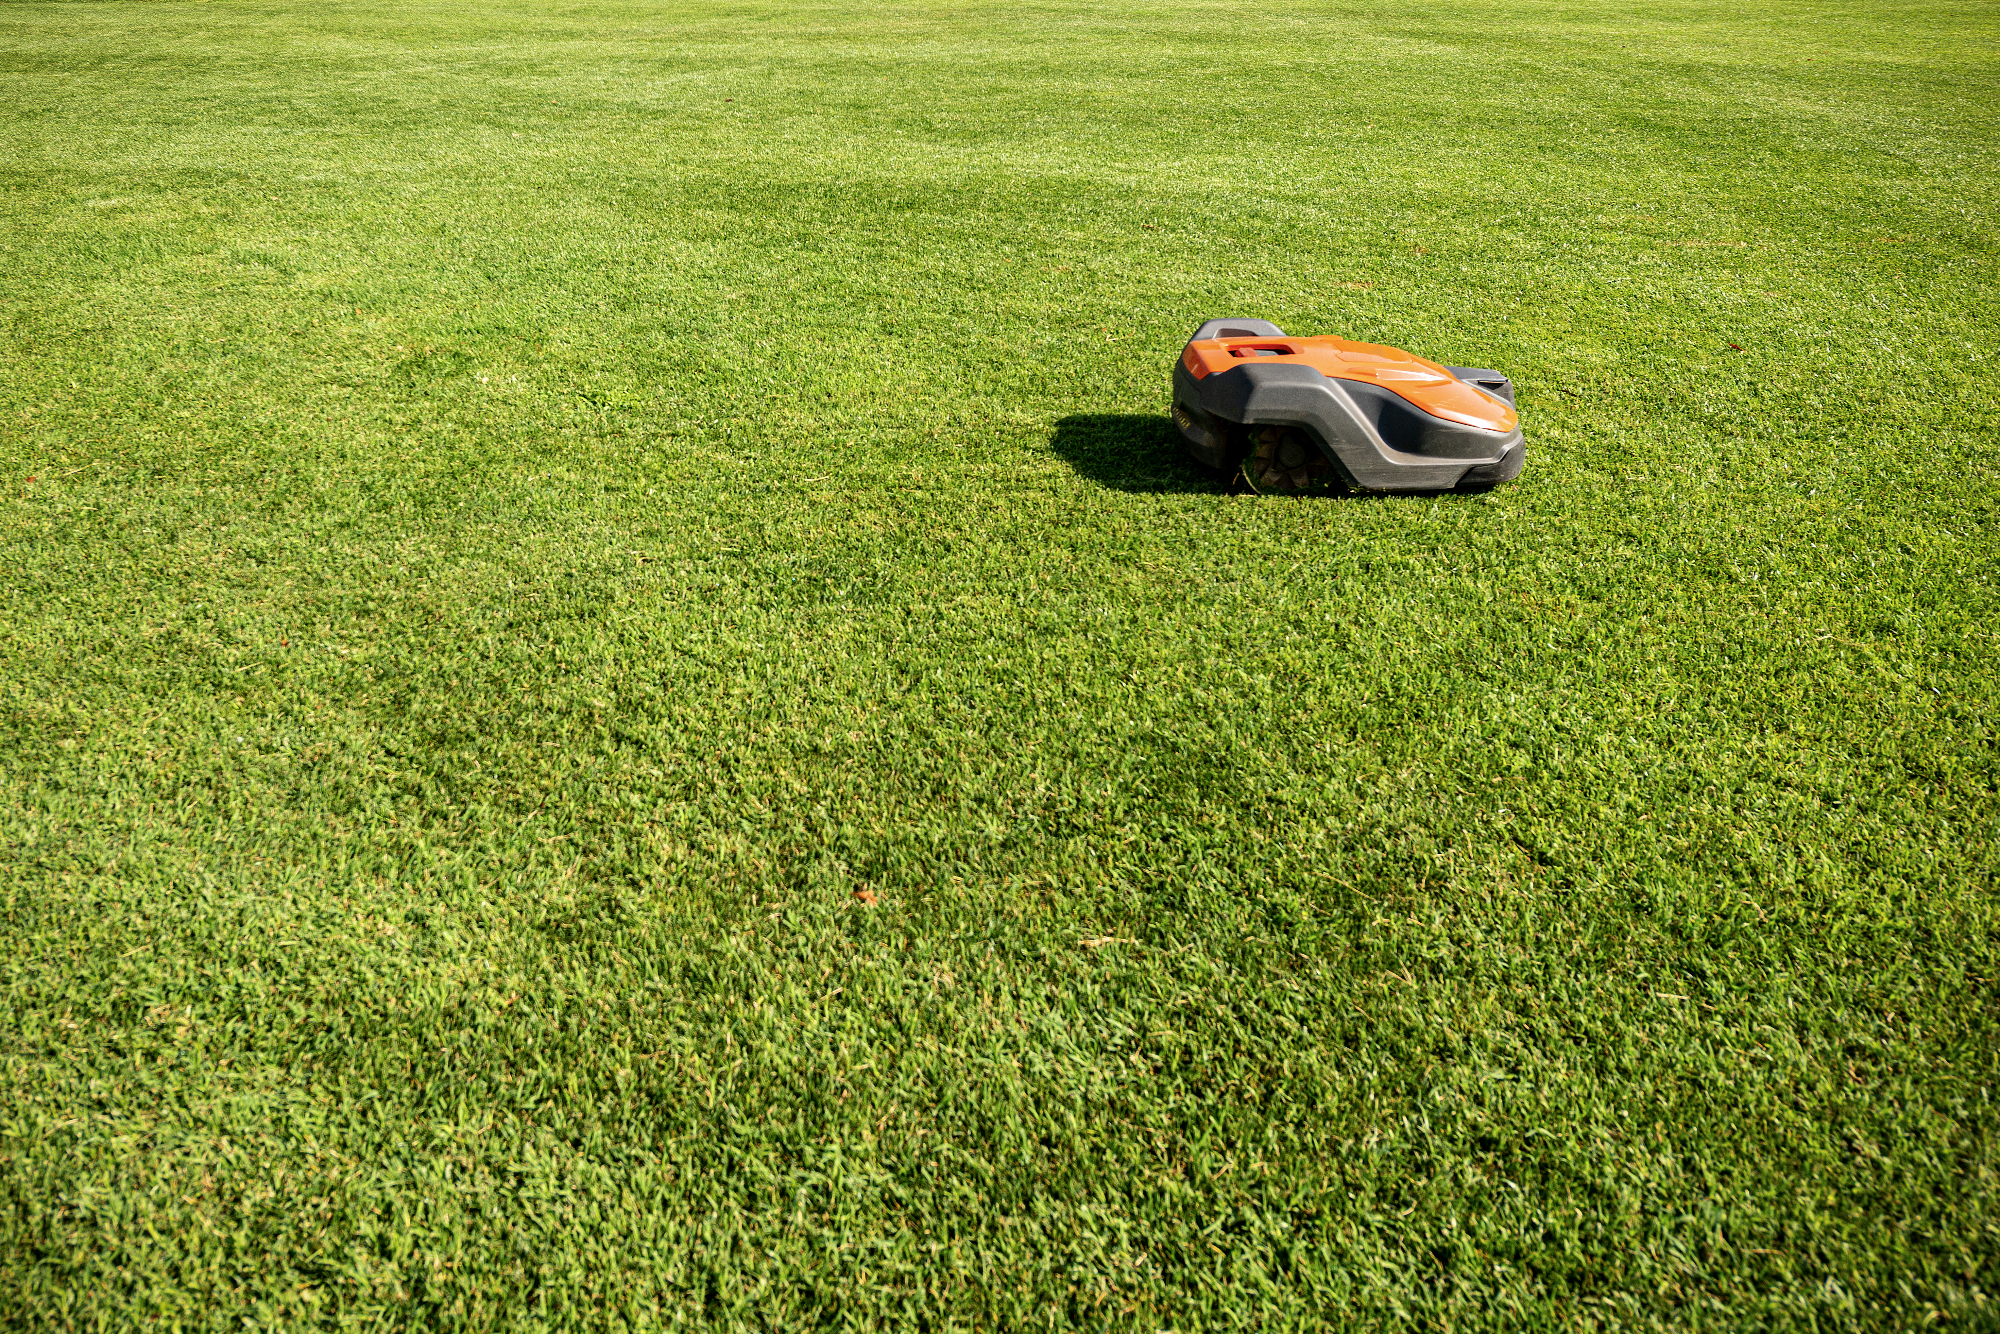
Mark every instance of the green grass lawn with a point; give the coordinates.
(617, 708)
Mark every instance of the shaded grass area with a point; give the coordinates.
(619, 708)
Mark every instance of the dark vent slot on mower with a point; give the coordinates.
(1260, 352)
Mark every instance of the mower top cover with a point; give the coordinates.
(1295, 413)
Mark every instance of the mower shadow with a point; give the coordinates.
(1131, 452)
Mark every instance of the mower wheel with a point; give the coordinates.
(1285, 458)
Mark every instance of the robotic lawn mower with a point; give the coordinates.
(1300, 414)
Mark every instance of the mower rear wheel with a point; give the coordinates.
(1285, 458)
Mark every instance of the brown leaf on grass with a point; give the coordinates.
(865, 895)
(1358, 287)
(1095, 941)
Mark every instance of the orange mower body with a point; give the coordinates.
(1297, 413)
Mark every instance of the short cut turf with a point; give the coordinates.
(617, 710)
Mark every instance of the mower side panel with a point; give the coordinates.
(1408, 429)
(1288, 394)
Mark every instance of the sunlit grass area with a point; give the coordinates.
(617, 708)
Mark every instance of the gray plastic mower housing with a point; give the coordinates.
(1378, 440)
